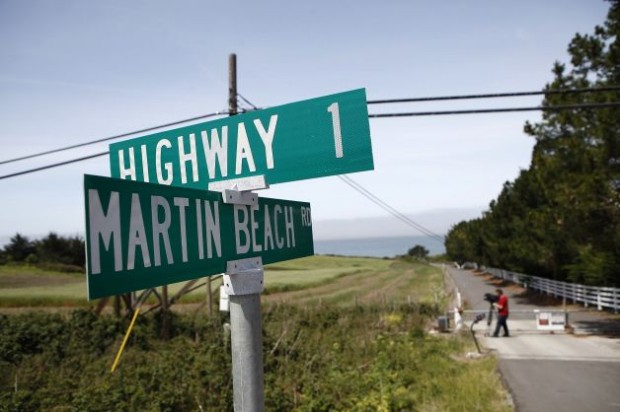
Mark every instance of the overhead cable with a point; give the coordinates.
(501, 110)
(372, 116)
(370, 102)
(370, 196)
(51, 166)
(118, 136)
(247, 101)
(496, 95)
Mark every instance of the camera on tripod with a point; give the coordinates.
(491, 298)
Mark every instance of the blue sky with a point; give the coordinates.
(73, 71)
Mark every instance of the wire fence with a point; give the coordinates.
(595, 296)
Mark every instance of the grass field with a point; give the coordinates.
(348, 281)
(340, 333)
(30, 286)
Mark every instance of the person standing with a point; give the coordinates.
(502, 313)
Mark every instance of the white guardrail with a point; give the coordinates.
(600, 297)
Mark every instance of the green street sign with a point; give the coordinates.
(141, 235)
(318, 137)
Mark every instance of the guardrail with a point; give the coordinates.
(600, 297)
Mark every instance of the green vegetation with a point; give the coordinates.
(316, 270)
(358, 358)
(53, 252)
(361, 349)
(28, 285)
(418, 251)
(391, 282)
(561, 217)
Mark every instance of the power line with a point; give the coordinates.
(502, 110)
(380, 115)
(496, 95)
(247, 101)
(105, 139)
(365, 192)
(370, 196)
(38, 169)
(376, 115)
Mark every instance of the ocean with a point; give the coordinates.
(377, 247)
(374, 247)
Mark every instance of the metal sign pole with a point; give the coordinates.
(243, 282)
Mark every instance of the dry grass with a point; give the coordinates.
(396, 281)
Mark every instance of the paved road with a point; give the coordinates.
(545, 371)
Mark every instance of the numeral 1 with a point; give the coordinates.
(335, 112)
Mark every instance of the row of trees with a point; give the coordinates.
(50, 249)
(561, 217)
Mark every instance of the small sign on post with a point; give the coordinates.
(550, 320)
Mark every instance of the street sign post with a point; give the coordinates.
(141, 235)
(318, 137)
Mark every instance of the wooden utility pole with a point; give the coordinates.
(232, 84)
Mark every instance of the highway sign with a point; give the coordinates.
(318, 137)
(141, 235)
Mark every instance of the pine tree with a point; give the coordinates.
(561, 217)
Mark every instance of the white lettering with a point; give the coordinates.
(254, 226)
(268, 234)
(182, 203)
(168, 166)
(137, 235)
(216, 151)
(277, 209)
(213, 229)
(107, 225)
(290, 227)
(241, 225)
(267, 137)
(188, 157)
(161, 228)
(129, 170)
(201, 252)
(244, 151)
(145, 164)
(306, 219)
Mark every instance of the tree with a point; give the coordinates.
(576, 159)
(58, 249)
(418, 251)
(19, 248)
(50, 249)
(561, 217)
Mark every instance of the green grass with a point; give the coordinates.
(344, 280)
(25, 285)
(32, 286)
(339, 334)
(323, 358)
(317, 270)
(364, 280)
